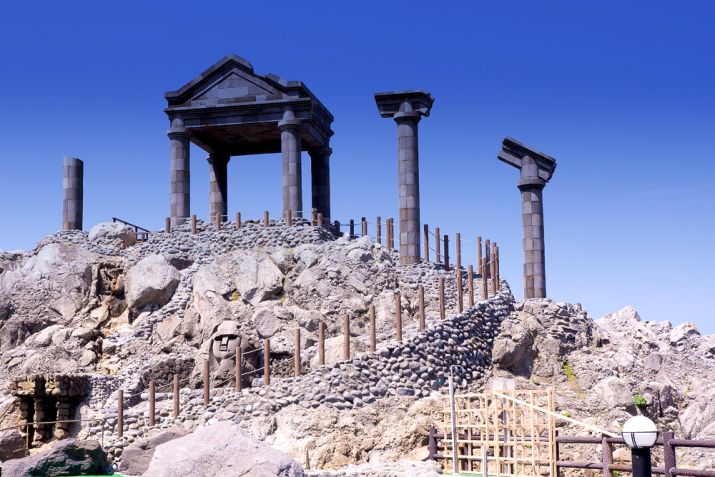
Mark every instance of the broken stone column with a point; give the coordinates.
(73, 194)
(218, 186)
(407, 108)
(536, 170)
(180, 199)
(320, 178)
(290, 128)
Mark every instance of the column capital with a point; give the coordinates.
(407, 117)
(214, 158)
(289, 121)
(177, 129)
(320, 151)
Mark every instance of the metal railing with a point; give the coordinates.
(141, 233)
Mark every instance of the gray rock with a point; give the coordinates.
(152, 281)
(66, 457)
(12, 445)
(221, 448)
(114, 233)
(136, 456)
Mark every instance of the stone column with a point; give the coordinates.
(290, 128)
(72, 194)
(532, 217)
(408, 183)
(320, 178)
(180, 198)
(218, 188)
(535, 170)
(406, 108)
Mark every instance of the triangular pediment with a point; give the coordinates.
(231, 80)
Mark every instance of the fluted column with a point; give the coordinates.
(290, 128)
(532, 218)
(180, 200)
(320, 179)
(72, 194)
(218, 185)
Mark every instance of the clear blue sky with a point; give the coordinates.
(621, 93)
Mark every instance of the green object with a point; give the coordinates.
(640, 401)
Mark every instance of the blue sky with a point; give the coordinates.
(621, 93)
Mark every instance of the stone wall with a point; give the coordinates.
(416, 367)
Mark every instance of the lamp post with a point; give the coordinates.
(640, 435)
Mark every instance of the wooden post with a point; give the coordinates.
(606, 456)
(437, 245)
(668, 453)
(458, 267)
(239, 368)
(152, 403)
(378, 230)
(441, 298)
(373, 339)
(207, 383)
(336, 226)
(470, 286)
(493, 270)
(446, 252)
(352, 228)
(425, 245)
(266, 361)
(265, 218)
(388, 237)
(346, 337)
(176, 396)
(296, 366)
(193, 225)
(167, 225)
(485, 294)
(321, 343)
(319, 219)
(496, 259)
(479, 254)
(218, 222)
(488, 256)
(458, 250)
(364, 226)
(238, 220)
(289, 218)
(120, 413)
(422, 307)
(398, 316)
(313, 217)
(458, 277)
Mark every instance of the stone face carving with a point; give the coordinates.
(536, 170)
(230, 110)
(225, 341)
(407, 108)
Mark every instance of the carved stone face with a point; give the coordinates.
(225, 340)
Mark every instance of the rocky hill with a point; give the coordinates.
(85, 315)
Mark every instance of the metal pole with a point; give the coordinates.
(641, 462)
(668, 453)
(176, 396)
(266, 361)
(152, 403)
(120, 413)
(296, 367)
(373, 341)
(422, 307)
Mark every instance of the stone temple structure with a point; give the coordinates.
(229, 110)
(536, 170)
(72, 194)
(407, 108)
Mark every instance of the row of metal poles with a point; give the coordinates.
(486, 269)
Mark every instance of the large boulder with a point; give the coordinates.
(12, 445)
(114, 233)
(221, 448)
(152, 281)
(66, 457)
(136, 456)
(257, 278)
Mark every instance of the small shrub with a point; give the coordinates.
(565, 413)
(640, 401)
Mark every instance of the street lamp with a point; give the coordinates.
(640, 435)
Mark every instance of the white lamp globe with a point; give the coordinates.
(639, 432)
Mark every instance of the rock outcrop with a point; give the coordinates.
(66, 457)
